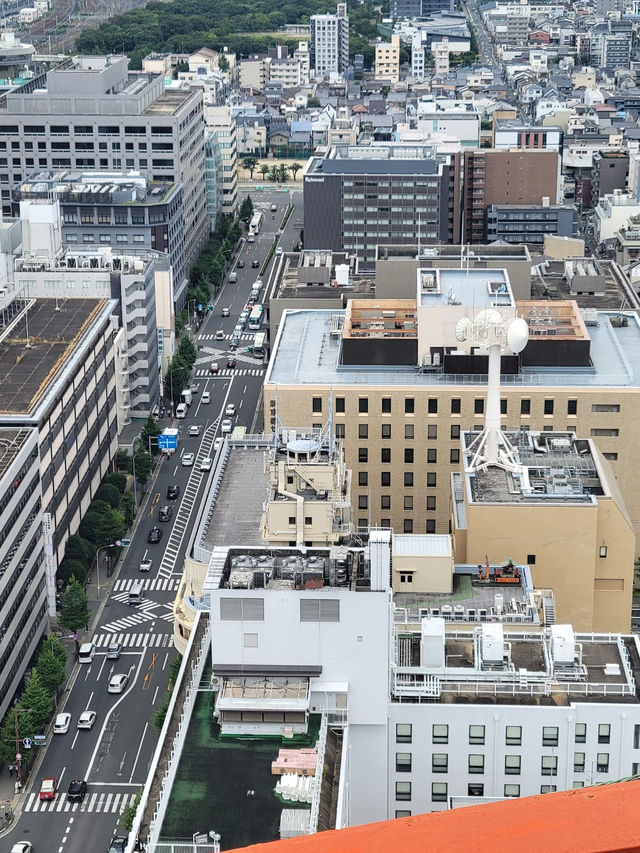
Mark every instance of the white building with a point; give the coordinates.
(612, 213)
(459, 119)
(220, 121)
(330, 42)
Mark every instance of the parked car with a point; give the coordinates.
(226, 425)
(230, 411)
(214, 367)
(62, 723)
(206, 463)
(48, 788)
(155, 535)
(86, 719)
(165, 512)
(145, 564)
(77, 791)
(173, 491)
(118, 683)
(195, 429)
(231, 362)
(240, 264)
(118, 844)
(187, 459)
(255, 264)
(225, 313)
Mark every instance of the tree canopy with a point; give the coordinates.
(74, 613)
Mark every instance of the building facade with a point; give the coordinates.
(387, 60)
(330, 43)
(516, 223)
(222, 129)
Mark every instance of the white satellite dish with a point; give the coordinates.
(489, 315)
(463, 327)
(517, 335)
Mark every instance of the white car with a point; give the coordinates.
(118, 683)
(86, 719)
(195, 429)
(219, 335)
(62, 723)
(230, 411)
(206, 397)
(217, 444)
(22, 847)
(226, 312)
(244, 316)
(226, 426)
(279, 250)
(187, 459)
(206, 463)
(145, 565)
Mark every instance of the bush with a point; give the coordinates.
(117, 480)
(109, 494)
(79, 548)
(68, 568)
(129, 813)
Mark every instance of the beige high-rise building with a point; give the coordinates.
(387, 61)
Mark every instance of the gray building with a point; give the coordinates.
(329, 52)
(419, 8)
(357, 198)
(91, 113)
(616, 52)
(609, 172)
(124, 211)
(530, 223)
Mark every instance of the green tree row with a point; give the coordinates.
(160, 711)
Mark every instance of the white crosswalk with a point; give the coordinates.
(130, 641)
(105, 803)
(126, 623)
(256, 371)
(228, 336)
(125, 584)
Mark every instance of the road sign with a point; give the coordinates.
(167, 442)
(125, 542)
(40, 740)
(118, 543)
(26, 742)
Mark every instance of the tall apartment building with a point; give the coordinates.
(419, 8)
(92, 113)
(354, 200)
(610, 172)
(222, 129)
(505, 176)
(330, 43)
(521, 223)
(616, 52)
(387, 60)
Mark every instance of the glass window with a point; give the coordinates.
(475, 789)
(512, 764)
(439, 762)
(403, 812)
(478, 406)
(403, 762)
(403, 790)
(476, 763)
(548, 407)
(454, 455)
(363, 478)
(408, 454)
(572, 407)
(432, 432)
(409, 405)
(408, 431)
(431, 503)
(363, 431)
(431, 479)
(316, 404)
(363, 454)
(476, 734)
(432, 455)
(549, 765)
(385, 478)
(550, 736)
(363, 405)
(578, 762)
(455, 430)
(340, 430)
(440, 733)
(604, 733)
(513, 736)
(385, 431)
(512, 790)
(602, 763)
(340, 404)
(385, 455)
(408, 478)
(385, 405)
(455, 406)
(547, 789)
(432, 406)
(438, 792)
(403, 732)
(525, 407)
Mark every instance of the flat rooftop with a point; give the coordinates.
(306, 352)
(560, 320)
(388, 318)
(388, 166)
(55, 329)
(470, 287)
(498, 252)
(169, 103)
(94, 188)
(11, 440)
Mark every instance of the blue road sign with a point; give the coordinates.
(167, 442)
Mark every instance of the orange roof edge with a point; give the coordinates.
(600, 819)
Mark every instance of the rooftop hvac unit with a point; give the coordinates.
(563, 645)
(426, 360)
(563, 444)
(492, 644)
(432, 643)
(436, 359)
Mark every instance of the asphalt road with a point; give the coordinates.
(115, 755)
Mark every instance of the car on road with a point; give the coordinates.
(118, 844)
(187, 459)
(217, 444)
(195, 388)
(226, 425)
(279, 250)
(165, 512)
(214, 367)
(195, 429)
(233, 343)
(255, 264)
(274, 207)
(113, 651)
(230, 411)
(244, 315)
(206, 463)
(240, 264)
(173, 491)
(238, 329)
(231, 362)
(251, 301)
(225, 313)
(219, 336)
(48, 788)
(206, 396)
(155, 535)
(62, 723)
(145, 564)
(77, 791)
(117, 683)
(86, 719)
(22, 847)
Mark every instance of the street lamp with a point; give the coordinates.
(102, 548)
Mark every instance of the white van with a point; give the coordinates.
(136, 592)
(87, 652)
(233, 277)
(206, 397)
(181, 410)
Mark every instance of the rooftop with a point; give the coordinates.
(169, 103)
(434, 253)
(392, 318)
(470, 287)
(94, 188)
(11, 440)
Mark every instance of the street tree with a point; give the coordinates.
(283, 173)
(37, 699)
(246, 209)
(50, 670)
(74, 613)
(294, 168)
(264, 171)
(143, 465)
(18, 718)
(187, 352)
(249, 164)
(52, 643)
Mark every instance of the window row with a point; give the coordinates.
(513, 734)
(455, 406)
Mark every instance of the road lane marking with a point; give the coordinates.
(146, 726)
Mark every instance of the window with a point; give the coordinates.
(409, 405)
(363, 405)
(319, 609)
(512, 790)
(549, 735)
(476, 763)
(340, 430)
(403, 762)
(385, 478)
(439, 762)
(547, 789)
(636, 737)
(578, 762)
(431, 480)
(476, 734)
(385, 405)
(408, 478)
(385, 455)
(408, 501)
(440, 733)
(572, 407)
(455, 431)
(363, 431)
(548, 407)
(432, 432)
(503, 407)
(316, 404)
(531, 559)
(408, 431)
(604, 733)
(549, 765)
(454, 455)
(455, 406)
(385, 431)
(340, 404)
(242, 609)
(432, 406)
(432, 455)
(605, 407)
(363, 454)
(362, 502)
(604, 433)
(403, 732)
(478, 406)
(403, 790)
(581, 733)
(431, 503)
(250, 641)
(407, 525)
(475, 789)
(438, 792)
(385, 501)
(578, 784)
(525, 407)
(408, 455)
(602, 762)
(406, 577)
(512, 765)
(430, 526)
(513, 736)
(363, 478)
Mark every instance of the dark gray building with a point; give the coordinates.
(419, 8)
(608, 173)
(530, 223)
(393, 195)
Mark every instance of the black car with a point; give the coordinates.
(155, 535)
(118, 844)
(255, 264)
(240, 264)
(231, 362)
(77, 790)
(173, 491)
(165, 513)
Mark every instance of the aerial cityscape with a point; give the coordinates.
(319, 405)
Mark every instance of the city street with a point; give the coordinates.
(114, 755)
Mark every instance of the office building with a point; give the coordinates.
(387, 60)
(522, 223)
(213, 178)
(403, 195)
(505, 176)
(420, 8)
(330, 43)
(610, 172)
(221, 127)
(91, 113)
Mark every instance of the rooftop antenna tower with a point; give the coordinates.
(491, 447)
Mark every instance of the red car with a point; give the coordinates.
(48, 788)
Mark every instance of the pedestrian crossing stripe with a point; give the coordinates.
(128, 641)
(103, 803)
(258, 371)
(125, 584)
(127, 622)
(227, 337)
